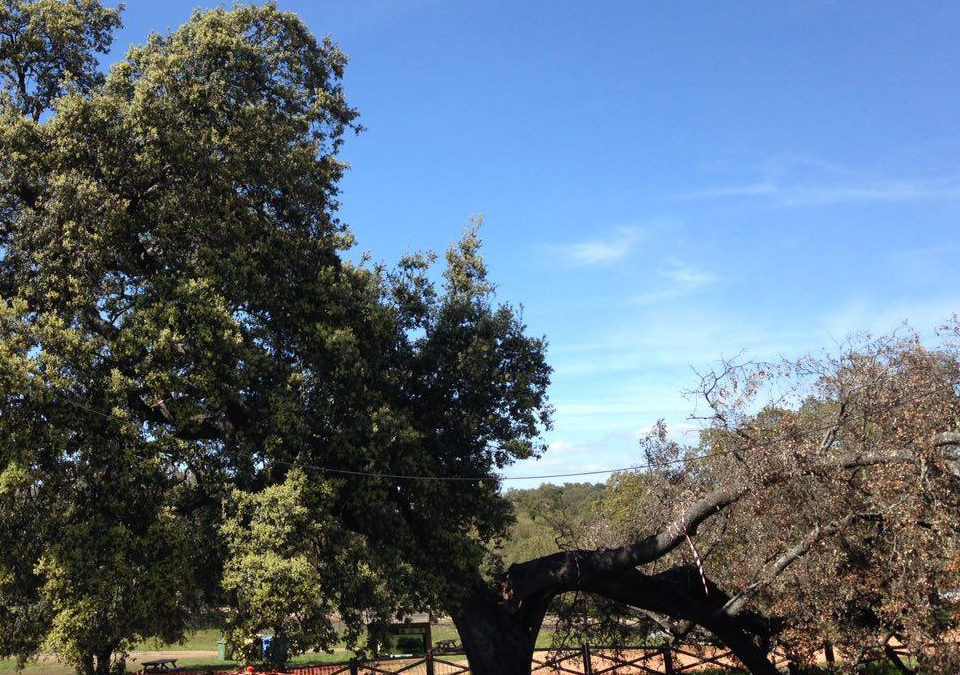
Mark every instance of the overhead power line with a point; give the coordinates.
(474, 479)
(636, 467)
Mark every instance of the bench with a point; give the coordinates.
(160, 666)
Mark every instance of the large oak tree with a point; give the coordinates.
(181, 331)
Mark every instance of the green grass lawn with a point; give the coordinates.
(198, 640)
(205, 640)
(192, 664)
(33, 668)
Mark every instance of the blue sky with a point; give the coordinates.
(661, 184)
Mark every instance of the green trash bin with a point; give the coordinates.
(222, 652)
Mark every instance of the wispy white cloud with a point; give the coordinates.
(746, 190)
(796, 180)
(865, 315)
(687, 275)
(888, 191)
(663, 345)
(931, 267)
(599, 251)
(610, 391)
(683, 279)
(566, 453)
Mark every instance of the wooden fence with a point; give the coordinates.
(584, 660)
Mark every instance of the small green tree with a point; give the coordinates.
(278, 586)
(97, 554)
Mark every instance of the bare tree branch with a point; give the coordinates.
(736, 604)
(945, 438)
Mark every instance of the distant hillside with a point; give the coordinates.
(547, 515)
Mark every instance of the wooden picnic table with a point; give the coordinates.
(160, 666)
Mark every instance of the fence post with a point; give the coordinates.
(587, 660)
(353, 667)
(429, 662)
(668, 660)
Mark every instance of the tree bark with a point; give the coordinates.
(499, 638)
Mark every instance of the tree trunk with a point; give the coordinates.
(103, 661)
(85, 667)
(499, 636)
(497, 639)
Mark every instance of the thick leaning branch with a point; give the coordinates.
(567, 568)
(657, 594)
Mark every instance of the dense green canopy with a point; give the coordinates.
(185, 350)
